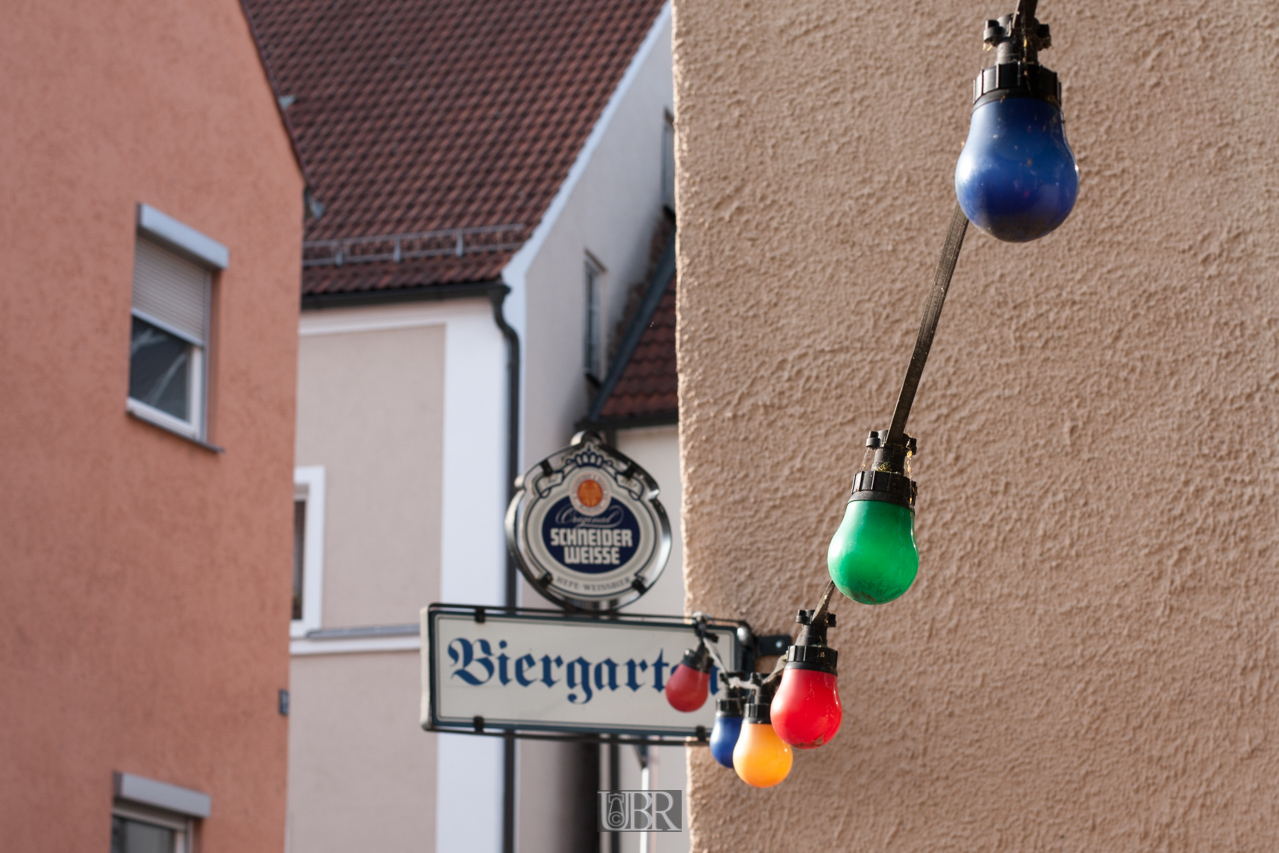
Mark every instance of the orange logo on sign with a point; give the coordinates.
(590, 493)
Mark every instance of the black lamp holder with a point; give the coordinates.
(733, 703)
(1020, 36)
(1017, 40)
(810, 650)
(762, 691)
(698, 658)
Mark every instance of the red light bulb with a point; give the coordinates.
(690, 681)
(806, 711)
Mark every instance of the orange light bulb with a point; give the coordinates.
(761, 758)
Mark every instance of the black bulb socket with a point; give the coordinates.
(809, 651)
(732, 705)
(886, 479)
(1017, 72)
(698, 658)
(757, 709)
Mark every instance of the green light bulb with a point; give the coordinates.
(872, 557)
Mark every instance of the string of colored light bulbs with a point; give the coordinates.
(1016, 180)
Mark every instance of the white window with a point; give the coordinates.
(308, 548)
(149, 816)
(168, 351)
(593, 325)
(668, 162)
(135, 829)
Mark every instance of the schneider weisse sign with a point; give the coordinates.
(547, 671)
(585, 525)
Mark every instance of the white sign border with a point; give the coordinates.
(568, 731)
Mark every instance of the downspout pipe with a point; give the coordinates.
(498, 297)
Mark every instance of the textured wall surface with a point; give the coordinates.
(144, 581)
(370, 410)
(361, 775)
(1088, 658)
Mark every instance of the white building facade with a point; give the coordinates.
(402, 483)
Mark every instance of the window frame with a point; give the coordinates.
(183, 241)
(197, 376)
(308, 486)
(182, 826)
(593, 319)
(668, 160)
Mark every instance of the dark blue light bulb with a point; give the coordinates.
(728, 726)
(1016, 178)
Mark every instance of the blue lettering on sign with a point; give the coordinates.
(462, 653)
(591, 544)
(630, 673)
(524, 680)
(579, 673)
(473, 664)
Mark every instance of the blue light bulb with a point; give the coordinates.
(1016, 178)
(724, 738)
(728, 726)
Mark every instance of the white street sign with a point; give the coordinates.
(556, 672)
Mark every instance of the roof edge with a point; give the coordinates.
(517, 266)
(275, 95)
(665, 419)
(421, 293)
(663, 275)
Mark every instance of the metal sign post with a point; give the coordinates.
(562, 675)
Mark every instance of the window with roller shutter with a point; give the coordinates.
(168, 350)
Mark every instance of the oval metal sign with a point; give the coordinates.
(586, 527)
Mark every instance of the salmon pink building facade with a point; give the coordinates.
(153, 210)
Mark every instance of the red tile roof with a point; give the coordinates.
(441, 114)
(641, 386)
(647, 391)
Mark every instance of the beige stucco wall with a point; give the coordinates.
(371, 411)
(1086, 661)
(361, 775)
